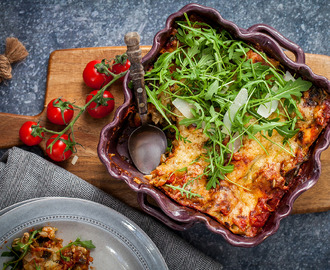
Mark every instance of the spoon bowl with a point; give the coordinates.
(146, 144)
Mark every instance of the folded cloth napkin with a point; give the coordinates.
(24, 175)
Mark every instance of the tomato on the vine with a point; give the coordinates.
(121, 64)
(96, 74)
(59, 111)
(61, 149)
(30, 133)
(102, 106)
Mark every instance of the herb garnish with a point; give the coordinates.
(188, 193)
(18, 251)
(208, 69)
(86, 244)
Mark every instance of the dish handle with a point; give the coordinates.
(160, 215)
(281, 40)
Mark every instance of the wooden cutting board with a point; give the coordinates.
(65, 80)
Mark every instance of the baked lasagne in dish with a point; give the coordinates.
(41, 249)
(239, 125)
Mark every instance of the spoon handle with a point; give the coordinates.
(132, 40)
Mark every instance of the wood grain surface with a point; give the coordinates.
(65, 80)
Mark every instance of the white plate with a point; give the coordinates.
(120, 243)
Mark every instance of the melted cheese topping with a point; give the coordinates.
(262, 174)
(264, 169)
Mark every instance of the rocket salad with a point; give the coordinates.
(226, 92)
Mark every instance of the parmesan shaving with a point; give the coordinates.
(235, 143)
(74, 160)
(266, 109)
(288, 77)
(229, 116)
(184, 107)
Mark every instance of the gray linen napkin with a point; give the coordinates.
(24, 175)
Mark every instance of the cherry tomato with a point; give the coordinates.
(121, 64)
(102, 106)
(61, 149)
(59, 111)
(30, 133)
(95, 74)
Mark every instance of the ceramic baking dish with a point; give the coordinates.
(112, 148)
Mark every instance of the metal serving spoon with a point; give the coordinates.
(147, 143)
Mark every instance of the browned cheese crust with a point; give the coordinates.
(261, 177)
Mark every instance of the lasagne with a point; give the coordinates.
(239, 125)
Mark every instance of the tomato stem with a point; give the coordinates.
(50, 131)
(82, 110)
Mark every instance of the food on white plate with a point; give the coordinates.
(239, 125)
(41, 249)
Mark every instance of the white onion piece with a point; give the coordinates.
(229, 116)
(288, 77)
(266, 109)
(184, 107)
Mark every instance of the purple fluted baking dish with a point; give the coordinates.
(113, 139)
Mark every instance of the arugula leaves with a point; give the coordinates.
(188, 193)
(293, 88)
(208, 69)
